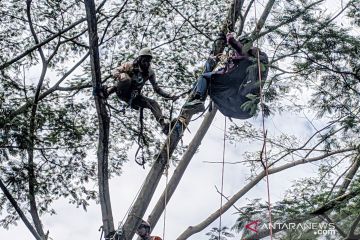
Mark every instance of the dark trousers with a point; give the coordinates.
(125, 93)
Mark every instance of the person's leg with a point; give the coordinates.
(201, 87)
(144, 102)
(200, 90)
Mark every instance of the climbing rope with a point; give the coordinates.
(222, 180)
(165, 200)
(264, 152)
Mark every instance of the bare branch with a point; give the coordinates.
(199, 227)
(24, 54)
(325, 217)
(187, 19)
(19, 211)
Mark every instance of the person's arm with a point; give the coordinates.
(157, 89)
(235, 44)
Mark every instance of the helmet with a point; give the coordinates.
(145, 52)
(145, 224)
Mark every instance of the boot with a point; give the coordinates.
(194, 106)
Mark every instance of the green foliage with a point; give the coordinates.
(217, 234)
(310, 53)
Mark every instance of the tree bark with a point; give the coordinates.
(349, 176)
(103, 119)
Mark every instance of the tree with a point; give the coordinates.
(49, 127)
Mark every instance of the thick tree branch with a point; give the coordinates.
(244, 16)
(336, 201)
(261, 22)
(350, 176)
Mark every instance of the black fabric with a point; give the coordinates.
(228, 90)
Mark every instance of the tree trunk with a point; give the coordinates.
(103, 118)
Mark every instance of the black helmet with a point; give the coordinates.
(145, 225)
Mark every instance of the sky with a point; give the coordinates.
(195, 198)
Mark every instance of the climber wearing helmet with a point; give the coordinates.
(130, 79)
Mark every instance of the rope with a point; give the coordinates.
(263, 153)
(131, 205)
(141, 141)
(167, 168)
(165, 202)
(222, 179)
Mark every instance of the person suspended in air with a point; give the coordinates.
(144, 231)
(130, 79)
(235, 84)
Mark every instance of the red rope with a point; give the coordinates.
(263, 153)
(222, 180)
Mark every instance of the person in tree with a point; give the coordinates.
(229, 86)
(144, 230)
(131, 78)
